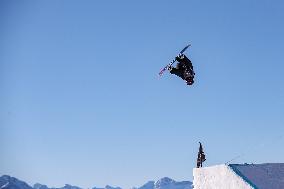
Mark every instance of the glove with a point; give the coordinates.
(170, 68)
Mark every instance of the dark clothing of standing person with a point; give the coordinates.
(200, 156)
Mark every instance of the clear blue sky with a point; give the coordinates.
(82, 103)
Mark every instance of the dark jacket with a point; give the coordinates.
(179, 70)
(183, 69)
(185, 62)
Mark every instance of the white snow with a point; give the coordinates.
(240, 176)
(218, 177)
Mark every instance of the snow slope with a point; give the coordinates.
(218, 177)
(240, 176)
(263, 176)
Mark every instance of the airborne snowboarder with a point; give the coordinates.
(183, 69)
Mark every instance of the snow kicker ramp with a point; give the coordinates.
(240, 176)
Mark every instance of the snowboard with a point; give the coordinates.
(173, 61)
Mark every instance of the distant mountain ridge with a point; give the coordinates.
(67, 186)
(167, 183)
(8, 182)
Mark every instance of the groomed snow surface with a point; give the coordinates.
(240, 176)
(217, 177)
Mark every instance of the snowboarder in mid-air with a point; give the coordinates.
(183, 69)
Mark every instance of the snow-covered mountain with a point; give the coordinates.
(107, 187)
(7, 182)
(67, 186)
(166, 183)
